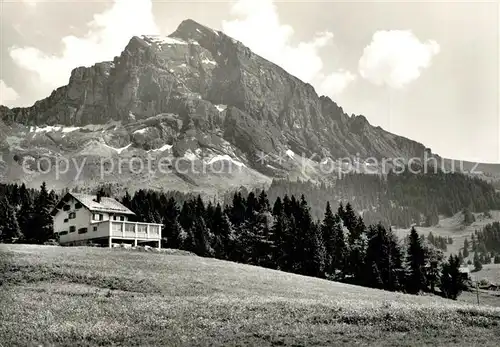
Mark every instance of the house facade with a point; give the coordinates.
(80, 218)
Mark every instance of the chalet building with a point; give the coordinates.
(80, 218)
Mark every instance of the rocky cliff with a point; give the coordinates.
(198, 93)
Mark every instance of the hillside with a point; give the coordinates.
(89, 296)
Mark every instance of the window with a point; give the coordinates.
(72, 229)
(72, 215)
(142, 228)
(129, 228)
(115, 218)
(117, 227)
(122, 218)
(95, 228)
(154, 229)
(82, 230)
(78, 205)
(65, 232)
(66, 207)
(65, 220)
(98, 216)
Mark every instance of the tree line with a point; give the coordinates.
(400, 200)
(251, 230)
(25, 213)
(485, 243)
(285, 236)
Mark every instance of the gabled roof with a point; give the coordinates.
(108, 205)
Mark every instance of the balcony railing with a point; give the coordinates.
(135, 230)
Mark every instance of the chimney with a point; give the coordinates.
(98, 197)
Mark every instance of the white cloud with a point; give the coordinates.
(108, 33)
(258, 26)
(7, 94)
(31, 3)
(395, 58)
(336, 82)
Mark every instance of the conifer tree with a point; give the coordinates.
(278, 207)
(42, 218)
(171, 226)
(263, 202)
(281, 248)
(201, 237)
(315, 253)
(384, 251)
(9, 228)
(238, 210)
(452, 283)
(222, 230)
(478, 266)
(416, 280)
(466, 248)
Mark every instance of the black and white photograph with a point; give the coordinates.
(249, 173)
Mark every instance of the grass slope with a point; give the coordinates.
(90, 296)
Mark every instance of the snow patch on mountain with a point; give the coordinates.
(190, 155)
(225, 157)
(163, 40)
(141, 131)
(52, 128)
(290, 153)
(118, 150)
(161, 149)
(70, 129)
(208, 61)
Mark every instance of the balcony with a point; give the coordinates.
(135, 230)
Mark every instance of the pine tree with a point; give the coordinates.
(222, 230)
(315, 252)
(278, 207)
(335, 245)
(466, 248)
(171, 226)
(9, 228)
(126, 200)
(201, 238)
(42, 217)
(384, 251)
(237, 210)
(349, 220)
(281, 248)
(263, 202)
(416, 280)
(452, 283)
(468, 217)
(478, 266)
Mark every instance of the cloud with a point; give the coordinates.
(336, 82)
(108, 33)
(30, 3)
(395, 58)
(257, 25)
(7, 94)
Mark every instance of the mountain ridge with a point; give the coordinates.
(199, 90)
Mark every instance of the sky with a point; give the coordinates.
(425, 70)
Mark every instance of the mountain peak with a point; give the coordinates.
(192, 30)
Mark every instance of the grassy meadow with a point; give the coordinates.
(90, 296)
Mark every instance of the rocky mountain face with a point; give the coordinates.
(201, 95)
